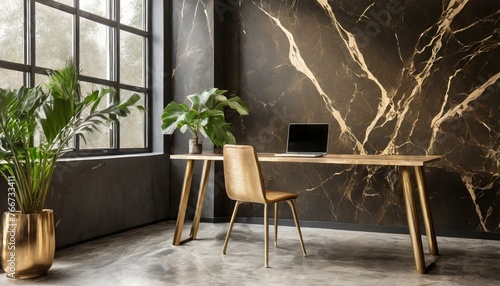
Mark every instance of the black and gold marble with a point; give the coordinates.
(390, 77)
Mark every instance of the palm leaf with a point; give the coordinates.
(58, 109)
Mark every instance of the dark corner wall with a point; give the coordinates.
(100, 197)
(390, 77)
(197, 64)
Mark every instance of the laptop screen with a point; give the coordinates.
(307, 137)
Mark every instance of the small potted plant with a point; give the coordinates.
(54, 114)
(206, 115)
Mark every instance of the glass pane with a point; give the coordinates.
(98, 7)
(11, 30)
(10, 79)
(132, 60)
(67, 2)
(94, 49)
(132, 127)
(132, 13)
(41, 79)
(102, 137)
(53, 37)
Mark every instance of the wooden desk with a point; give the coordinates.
(402, 161)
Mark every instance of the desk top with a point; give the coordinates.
(348, 159)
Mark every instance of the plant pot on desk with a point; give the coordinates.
(195, 146)
(218, 150)
(28, 243)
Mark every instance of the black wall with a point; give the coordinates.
(93, 198)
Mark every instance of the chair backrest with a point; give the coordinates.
(242, 174)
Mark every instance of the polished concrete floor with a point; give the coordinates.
(146, 257)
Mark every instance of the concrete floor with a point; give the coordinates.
(146, 257)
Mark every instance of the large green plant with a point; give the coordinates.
(206, 115)
(55, 114)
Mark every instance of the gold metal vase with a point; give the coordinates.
(28, 243)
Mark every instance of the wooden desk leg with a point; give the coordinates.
(186, 187)
(201, 197)
(411, 213)
(426, 211)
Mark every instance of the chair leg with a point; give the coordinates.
(266, 237)
(233, 217)
(276, 224)
(292, 206)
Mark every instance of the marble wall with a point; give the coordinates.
(390, 77)
(194, 68)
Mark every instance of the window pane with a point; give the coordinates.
(94, 49)
(131, 59)
(53, 37)
(132, 127)
(67, 2)
(132, 13)
(10, 79)
(98, 7)
(41, 79)
(11, 30)
(102, 137)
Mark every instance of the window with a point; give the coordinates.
(110, 42)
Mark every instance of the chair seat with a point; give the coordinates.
(277, 196)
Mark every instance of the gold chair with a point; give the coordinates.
(244, 184)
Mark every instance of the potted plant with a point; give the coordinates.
(36, 127)
(206, 115)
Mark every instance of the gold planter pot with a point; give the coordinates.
(28, 243)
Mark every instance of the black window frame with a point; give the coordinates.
(29, 69)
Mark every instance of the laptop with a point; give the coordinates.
(306, 140)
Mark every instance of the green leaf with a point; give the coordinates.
(173, 115)
(219, 131)
(237, 104)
